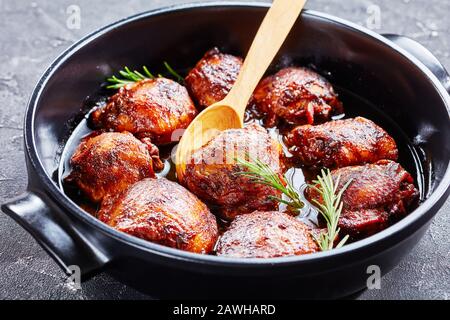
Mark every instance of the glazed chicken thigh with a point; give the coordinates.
(378, 194)
(154, 108)
(107, 163)
(213, 76)
(214, 176)
(297, 96)
(163, 212)
(341, 143)
(266, 235)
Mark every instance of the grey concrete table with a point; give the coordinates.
(32, 34)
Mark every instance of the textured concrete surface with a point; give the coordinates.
(34, 33)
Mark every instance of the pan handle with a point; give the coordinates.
(56, 234)
(423, 55)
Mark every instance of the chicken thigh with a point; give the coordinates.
(378, 194)
(341, 143)
(155, 108)
(297, 96)
(266, 235)
(213, 76)
(107, 163)
(163, 212)
(214, 176)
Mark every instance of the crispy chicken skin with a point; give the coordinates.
(213, 174)
(341, 143)
(107, 163)
(266, 235)
(297, 96)
(213, 76)
(378, 194)
(152, 108)
(163, 212)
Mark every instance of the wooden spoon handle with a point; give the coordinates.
(271, 34)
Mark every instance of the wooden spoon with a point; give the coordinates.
(229, 113)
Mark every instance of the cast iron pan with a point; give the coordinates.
(398, 76)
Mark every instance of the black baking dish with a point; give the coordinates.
(396, 74)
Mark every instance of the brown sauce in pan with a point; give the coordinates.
(411, 157)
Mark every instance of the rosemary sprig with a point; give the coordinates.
(128, 76)
(261, 173)
(330, 208)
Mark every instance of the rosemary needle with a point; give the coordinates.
(173, 72)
